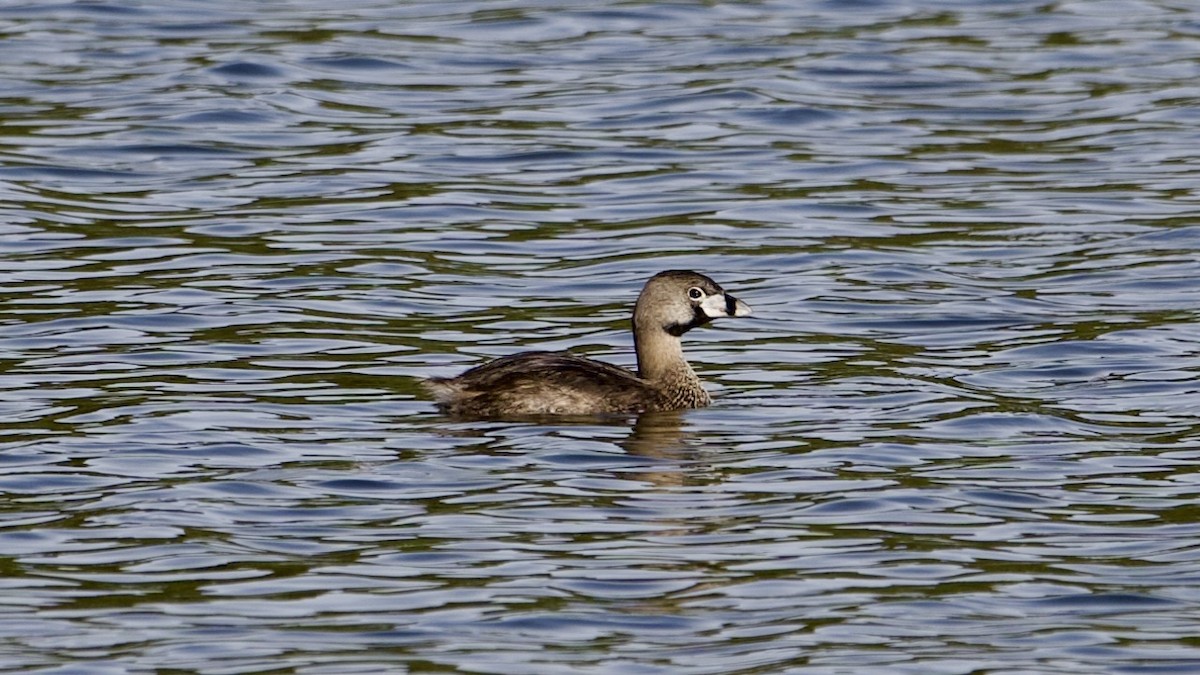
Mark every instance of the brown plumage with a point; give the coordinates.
(560, 383)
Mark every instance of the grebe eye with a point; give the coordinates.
(695, 293)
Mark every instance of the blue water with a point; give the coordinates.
(959, 434)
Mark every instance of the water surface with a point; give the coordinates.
(959, 435)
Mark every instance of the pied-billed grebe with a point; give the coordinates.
(560, 383)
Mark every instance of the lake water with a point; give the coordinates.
(961, 433)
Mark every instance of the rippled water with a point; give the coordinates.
(959, 435)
